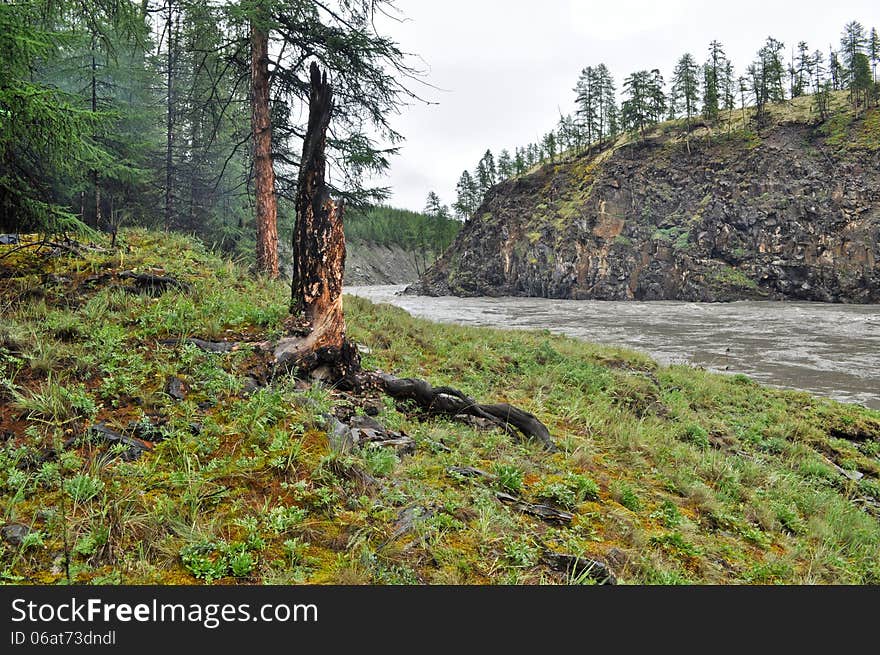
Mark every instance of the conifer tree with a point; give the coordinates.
(686, 88)
(874, 51)
(853, 45)
(467, 196)
(713, 74)
(505, 165)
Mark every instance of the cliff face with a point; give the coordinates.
(790, 213)
(369, 263)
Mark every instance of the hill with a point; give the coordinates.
(716, 213)
(387, 245)
(136, 457)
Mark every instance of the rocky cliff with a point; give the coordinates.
(368, 263)
(788, 212)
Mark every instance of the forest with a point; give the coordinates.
(159, 114)
(698, 94)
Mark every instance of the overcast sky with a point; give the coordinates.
(506, 68)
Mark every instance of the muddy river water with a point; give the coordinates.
(830, 350)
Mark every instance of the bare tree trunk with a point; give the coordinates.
(264, 174)
(94, 84)
(169, 117)
(318, 252)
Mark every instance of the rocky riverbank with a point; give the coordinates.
(791, 211)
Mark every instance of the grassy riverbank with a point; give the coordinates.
(671, 474)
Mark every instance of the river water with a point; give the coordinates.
(828, 349)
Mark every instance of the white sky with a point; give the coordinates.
(505, 69)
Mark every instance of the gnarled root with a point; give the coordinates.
(446, 400)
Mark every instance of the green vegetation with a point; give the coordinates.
(409, 230)
(732, 277)
(673, 475)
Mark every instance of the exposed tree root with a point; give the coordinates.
(446, 400)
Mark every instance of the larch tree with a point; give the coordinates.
(505, 165)
(656, 96)
(685, 95)
(485, 173)
(862, 83)
(635, 110)
(607, 102)
(801, 71)
(369, 73)
(836, 70)
(35, 161)
(587, 104)
(433, 206)
(713, 70)
(853, 40)
(467, 196)
(874, 51)
(519, 161)
(817, 70)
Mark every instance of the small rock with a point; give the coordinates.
(14, 533)
(373, 407)
(617, 558)
(174, 388)
(46, 514)
(249, 386)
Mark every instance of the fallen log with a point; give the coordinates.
(446, 400)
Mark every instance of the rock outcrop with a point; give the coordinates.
(369, 263)
(787, 213)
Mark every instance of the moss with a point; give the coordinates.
(677, 466)
(731, 277)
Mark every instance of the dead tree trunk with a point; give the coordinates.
(264, 174)
(318, 252)
(316, 293)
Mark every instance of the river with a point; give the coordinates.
(828, 349)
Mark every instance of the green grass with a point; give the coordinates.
(673, 474)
